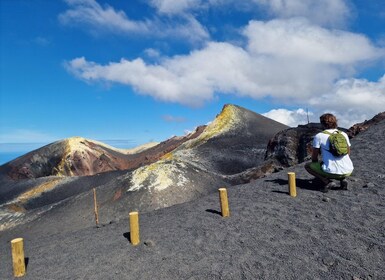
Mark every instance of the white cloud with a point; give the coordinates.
(189, 80)
(325, 12)
(173, 7)
(288, 117)
(90, 15)
(153, 53)
(299, 39)
(352, 101)
(185, 27)
(308, 64)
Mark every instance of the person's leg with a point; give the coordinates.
(342, 179)
(314, 168)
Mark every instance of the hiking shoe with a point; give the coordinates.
(344, 184)
(328, 186)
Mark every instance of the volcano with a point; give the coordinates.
(59, 177)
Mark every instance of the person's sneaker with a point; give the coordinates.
(344, 184)
(328, 186)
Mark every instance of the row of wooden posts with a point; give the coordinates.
(17, 245)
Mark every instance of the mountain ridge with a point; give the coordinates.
(229, 151)
(175, 171)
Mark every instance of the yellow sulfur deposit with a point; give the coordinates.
(158, 176)
(60, 170)
(36, 191)
(227, 119)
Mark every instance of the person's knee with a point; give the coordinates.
(307, 166)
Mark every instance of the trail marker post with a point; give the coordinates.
(18, 260)
(134, 228)
(224, 202)
(96, 208)
(292, 185)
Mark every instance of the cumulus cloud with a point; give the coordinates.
(354, 100)
(303, 68)
(289, 117)
(96, 18)
(299, 39)
(90, 13)
(325, 13)
(351, 100)
(189, 80)
(153, 53)
(175, 7)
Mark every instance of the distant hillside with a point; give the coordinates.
(78, 156)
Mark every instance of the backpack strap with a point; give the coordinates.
(328, 133)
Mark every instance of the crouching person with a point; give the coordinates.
(333, 166)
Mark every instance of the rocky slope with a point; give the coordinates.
(360, 127)
(174, 171)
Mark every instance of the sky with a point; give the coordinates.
(132, 72)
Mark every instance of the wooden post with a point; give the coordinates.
(96, 208)
(18, 260)
(134, 228)
(224, 202)
(292, 186)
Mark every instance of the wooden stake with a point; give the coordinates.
(134, 228)
(96, 208)
(292, 186)
(224, 202)
(18, 260)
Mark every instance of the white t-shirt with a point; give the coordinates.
(331, 164)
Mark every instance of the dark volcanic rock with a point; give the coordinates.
(367, 153)
(360, 127)
(293, 145)
(233, 143)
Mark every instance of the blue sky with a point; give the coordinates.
(131, 72)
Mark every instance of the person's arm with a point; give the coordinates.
(314, 154)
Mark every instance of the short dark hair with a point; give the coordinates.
(328, 121)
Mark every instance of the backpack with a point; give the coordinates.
(338, 145)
